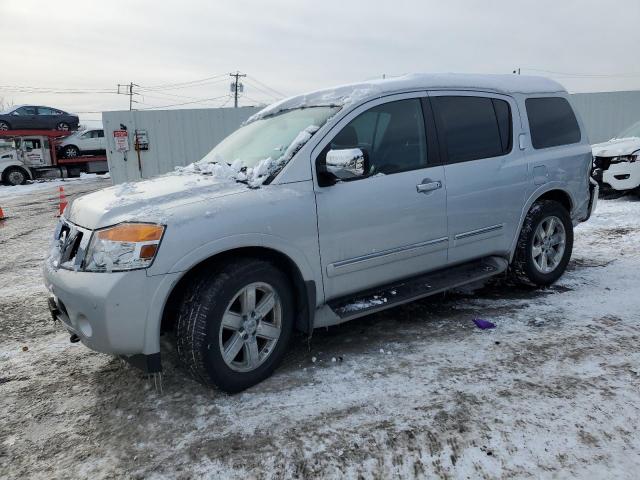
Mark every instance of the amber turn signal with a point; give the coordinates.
(132, 232)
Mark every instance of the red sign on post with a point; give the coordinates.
(122, 140)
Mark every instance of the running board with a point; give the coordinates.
(370, 301)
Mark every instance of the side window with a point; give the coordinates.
(392, 135)
(26, 111)
(100, 133)
(552, 122)
(473, 127)
(45, 111)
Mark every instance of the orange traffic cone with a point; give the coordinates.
(63, 201)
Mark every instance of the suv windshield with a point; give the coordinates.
(269, 138)
(632, 131)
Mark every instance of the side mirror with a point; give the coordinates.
(347, 164)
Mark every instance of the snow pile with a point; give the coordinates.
(339, 96)
(253, 176)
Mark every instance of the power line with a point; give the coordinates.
(265, 92)
(585, 75)
(282, 95)
(175, 86)
(186, 103)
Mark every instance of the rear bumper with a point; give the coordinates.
(594, 191)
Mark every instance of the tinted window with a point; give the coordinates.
(26, 111)
(552, 122)
(473, 127)
(100, 133)
(392, 134)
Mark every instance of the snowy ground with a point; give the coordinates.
(417, 391)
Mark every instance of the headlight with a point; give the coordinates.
(126, 246)
(626, 158)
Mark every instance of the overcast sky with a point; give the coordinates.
(293, 46)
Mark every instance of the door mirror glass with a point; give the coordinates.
(346, 163)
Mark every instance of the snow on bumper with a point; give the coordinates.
(108, 311)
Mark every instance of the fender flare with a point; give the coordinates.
(219, 246)
(535, 195)
(17, 164)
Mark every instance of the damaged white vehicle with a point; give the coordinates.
(323, 208)
(616, 163)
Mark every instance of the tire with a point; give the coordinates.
(64, 126)
(201, 337)
(4, 125)
(70, 151)
(15, 176)
(527, 267)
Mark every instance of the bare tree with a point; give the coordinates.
(5, 104)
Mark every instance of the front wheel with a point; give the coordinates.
(545, 244)
(63, 126)
(4, 126)
(14, 176)
(233, 326)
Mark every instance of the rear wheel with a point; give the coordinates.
(4, 125)
(64, 126)
(545, 244)
(14, 176)
(233, 326)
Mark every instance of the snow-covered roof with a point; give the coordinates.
(351, 93)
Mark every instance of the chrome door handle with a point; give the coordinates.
(428, 186)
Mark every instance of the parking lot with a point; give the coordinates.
(418, 390)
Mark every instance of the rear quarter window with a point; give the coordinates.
(552, 122)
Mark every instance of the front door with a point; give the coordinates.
(486, 172)
(24, 117)
(391, 223)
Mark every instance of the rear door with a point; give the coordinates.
(386, 225)
(486, 175)
(101, 143)
(49, 117)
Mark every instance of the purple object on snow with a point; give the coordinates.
(483, 324)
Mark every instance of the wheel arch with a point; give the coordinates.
(551, 192)
(304, 290)
(18, 166)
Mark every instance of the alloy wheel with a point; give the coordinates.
(548, 244)
(250, 327)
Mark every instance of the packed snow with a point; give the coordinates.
(414, 392)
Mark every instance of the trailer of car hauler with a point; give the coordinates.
(30, 154)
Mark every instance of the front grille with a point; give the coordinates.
(73, 241)
(602, 162)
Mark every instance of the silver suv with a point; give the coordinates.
(324, 208)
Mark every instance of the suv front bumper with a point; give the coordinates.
(109, 312)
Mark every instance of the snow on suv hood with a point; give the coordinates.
(149, 200)
(616, 147)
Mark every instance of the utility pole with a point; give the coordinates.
(236, 86)
(128, 90)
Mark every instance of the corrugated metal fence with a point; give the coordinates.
(176, 137)
(179, 137)
(606, 114)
